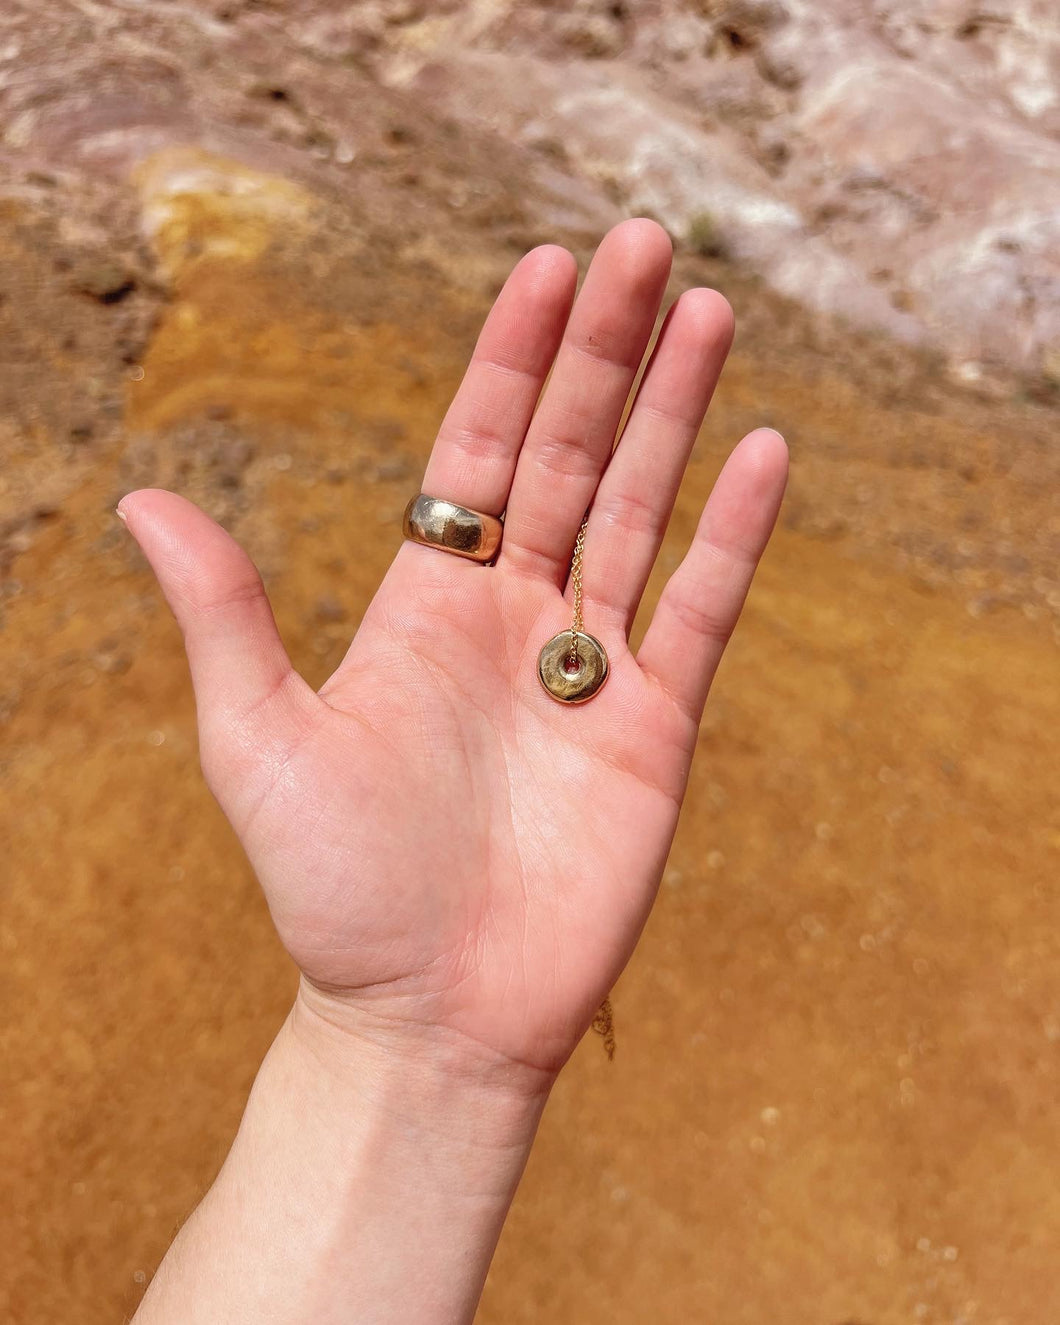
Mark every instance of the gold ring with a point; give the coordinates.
(435, 522)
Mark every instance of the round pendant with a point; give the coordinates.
(572, 675)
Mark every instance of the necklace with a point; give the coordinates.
(573, 665)
(604, 1024)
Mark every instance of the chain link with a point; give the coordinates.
(603, 1022)
(576, 588)
(604, 1025)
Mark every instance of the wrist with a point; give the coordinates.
(372, 1173)
(399, 1058)
(425, 1137)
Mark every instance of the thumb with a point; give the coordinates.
(238, 663)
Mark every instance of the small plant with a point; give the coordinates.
(705, 238)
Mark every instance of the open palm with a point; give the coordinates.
(443, 846)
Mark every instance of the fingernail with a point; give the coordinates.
(121, 515)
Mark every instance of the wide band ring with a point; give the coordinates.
(435, 522)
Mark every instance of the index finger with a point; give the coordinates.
(473, 459)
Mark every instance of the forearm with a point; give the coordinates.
(364, 1185)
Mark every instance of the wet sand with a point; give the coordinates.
(835, 1097)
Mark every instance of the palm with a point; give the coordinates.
(532, 834)
(441, 843)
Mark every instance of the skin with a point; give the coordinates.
(459, 865)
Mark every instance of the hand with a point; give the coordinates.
(450, 855)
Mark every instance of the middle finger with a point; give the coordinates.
(573, 431)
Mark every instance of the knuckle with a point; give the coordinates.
(628, 512)
(606, 345)
(477, 441)
(700, 619)
(566, 456)
(244, 591)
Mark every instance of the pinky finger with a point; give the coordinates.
(701, 603)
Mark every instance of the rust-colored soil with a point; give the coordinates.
(836, 1097)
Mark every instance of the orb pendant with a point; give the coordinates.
(572, 667)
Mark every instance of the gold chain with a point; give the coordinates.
(576, 576)
(604, 1021)
(576, 588)
(604, 1024)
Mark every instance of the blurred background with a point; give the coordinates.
(245, 248)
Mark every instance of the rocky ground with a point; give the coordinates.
(244, 253)
(893, 162)
(896, 164)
